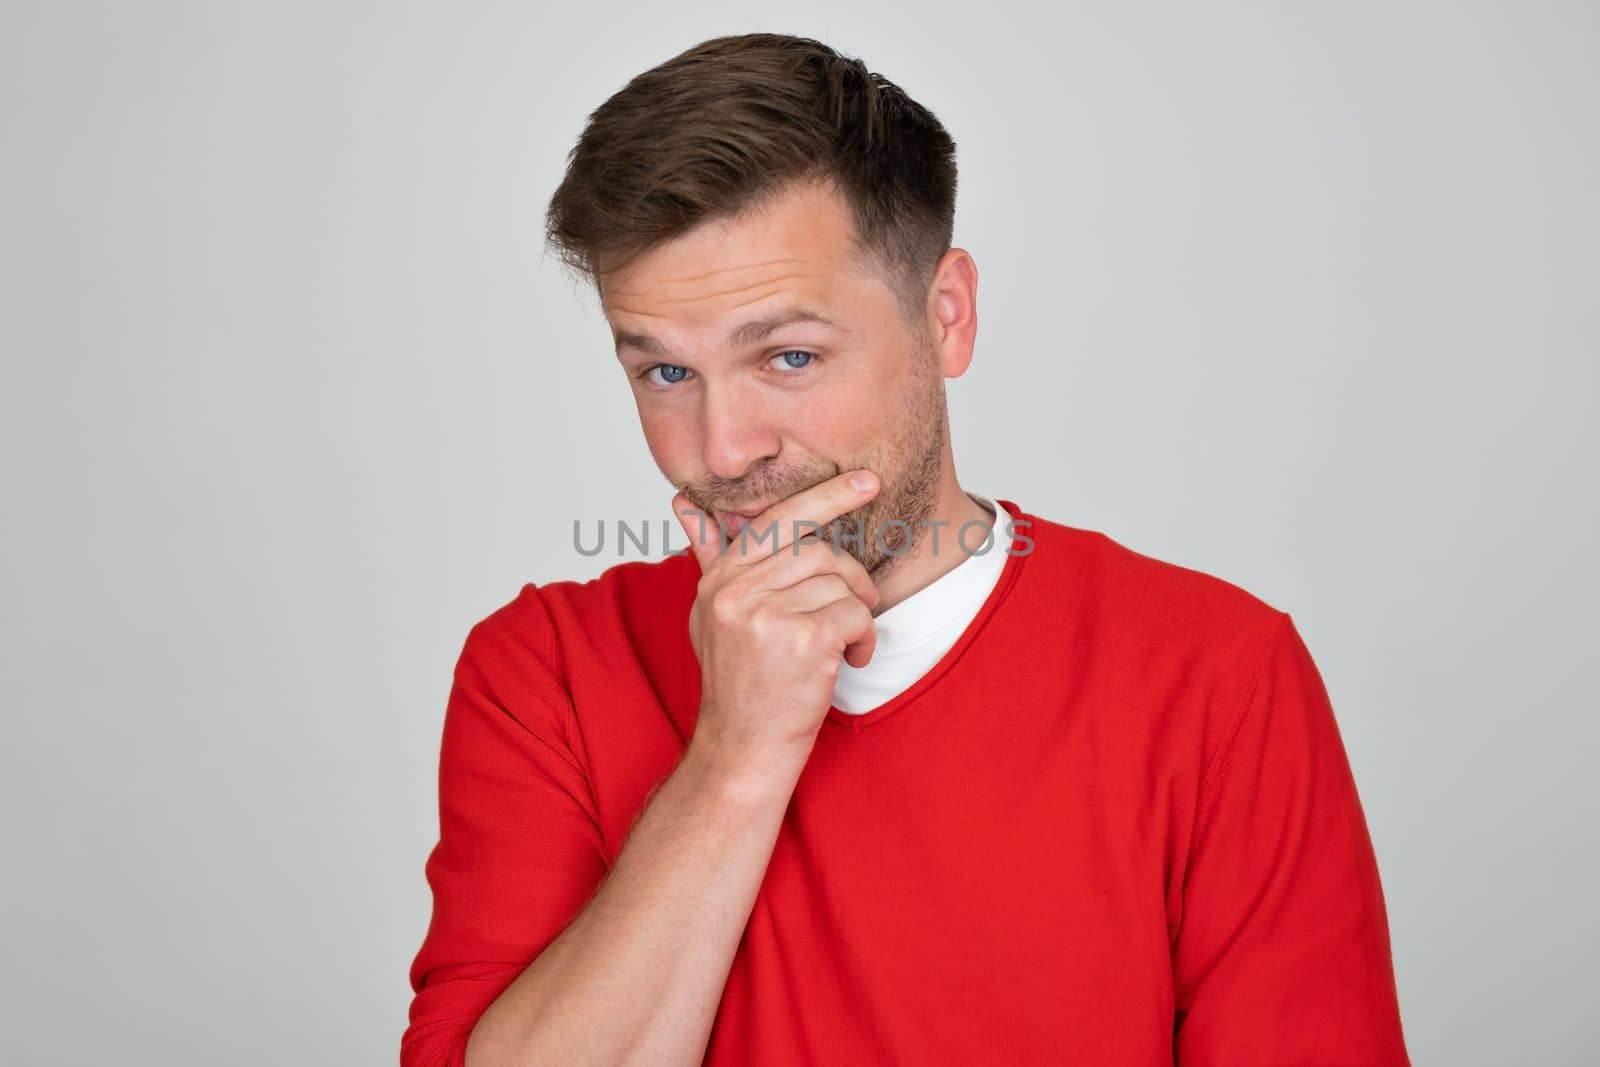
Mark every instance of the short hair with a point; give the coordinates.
(721, 127)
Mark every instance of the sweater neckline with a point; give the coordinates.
(1015, 558)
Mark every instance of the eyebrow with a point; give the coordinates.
(741, 336)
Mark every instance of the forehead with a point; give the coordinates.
(799, 245)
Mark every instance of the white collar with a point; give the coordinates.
(914, 634)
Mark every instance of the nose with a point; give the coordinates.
(737, 431)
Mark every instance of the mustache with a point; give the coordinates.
(717, 494)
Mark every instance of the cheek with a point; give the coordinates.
(673, 443)
(845, 407)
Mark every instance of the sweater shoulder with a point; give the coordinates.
(1138, 595)
(627, 600)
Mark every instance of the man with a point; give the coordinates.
(879, 771)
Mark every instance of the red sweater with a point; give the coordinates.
(1115, 824)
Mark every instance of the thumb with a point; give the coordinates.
(858, 653)
(705, 536)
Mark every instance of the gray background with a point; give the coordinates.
(1302, 296)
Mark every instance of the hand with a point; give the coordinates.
(773, 618)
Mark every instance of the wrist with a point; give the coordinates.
(742, 774)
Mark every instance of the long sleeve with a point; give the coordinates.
(1282, 956)
(519, 850)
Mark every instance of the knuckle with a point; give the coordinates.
(725, 606)
(762, 621)
(851, 566)
(826, 556)
(806, 637)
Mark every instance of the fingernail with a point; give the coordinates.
(863, 480)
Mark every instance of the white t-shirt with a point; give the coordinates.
(917, 632)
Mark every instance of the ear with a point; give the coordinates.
(953, 311)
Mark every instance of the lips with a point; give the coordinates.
(736, 520)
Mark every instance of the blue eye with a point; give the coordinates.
(670, 373)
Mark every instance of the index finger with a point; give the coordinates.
(782, 524)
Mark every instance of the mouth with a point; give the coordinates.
(737, 520)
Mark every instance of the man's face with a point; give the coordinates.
(742, 407)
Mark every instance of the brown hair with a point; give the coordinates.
(721, 127)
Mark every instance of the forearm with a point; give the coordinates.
(638, 974)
